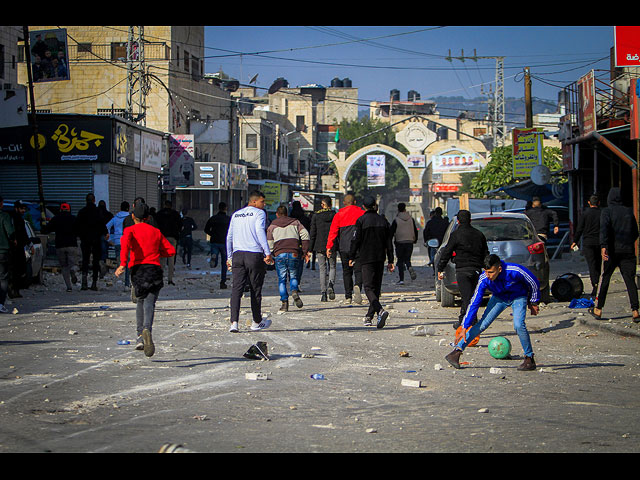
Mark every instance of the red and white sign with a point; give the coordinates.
(627, 46)
(445, 187)
(587, 107)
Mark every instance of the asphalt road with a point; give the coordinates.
(66, 385)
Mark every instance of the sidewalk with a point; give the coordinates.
(616, 314)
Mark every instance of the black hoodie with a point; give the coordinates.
(618, 226)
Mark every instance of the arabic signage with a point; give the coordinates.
(444, 187)
(586, 108)
(527, 150)
(49, 55)
(627, 46)
(151, 153)
(181, 160)
(375, 170)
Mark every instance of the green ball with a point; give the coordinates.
(499, 347)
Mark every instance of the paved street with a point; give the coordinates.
(66, 385)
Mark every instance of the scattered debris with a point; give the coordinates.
(411, 383)
(256, 376)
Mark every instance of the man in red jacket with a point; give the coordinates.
(340, 236)
(143, 245)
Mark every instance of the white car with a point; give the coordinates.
(35, 257)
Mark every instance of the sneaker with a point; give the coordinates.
(223, 285)
(330, 292)
(296, 299)
(412, 272)
(3, 309)
(454, 358)
(382, 318)
(357, 296)
(528, 364)
(234, 327)
(266, 323)
(347, 301)
(139, 343)
(69, 289)
(400, 282)
(368, 321)
(149, 347)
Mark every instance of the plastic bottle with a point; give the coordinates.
(123, 342)
(413, 310)
(317, 376)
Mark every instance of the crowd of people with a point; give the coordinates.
(248, 244)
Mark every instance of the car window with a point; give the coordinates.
(501, 229)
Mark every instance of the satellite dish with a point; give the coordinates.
(540, 175)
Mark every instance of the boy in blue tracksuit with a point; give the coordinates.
(512, 286)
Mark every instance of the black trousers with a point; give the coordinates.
(626, 262)
(467, 281)
(593, 256)
(91, 247)
(348, 274)
(248, 268)
(403, 252)
(372, 283)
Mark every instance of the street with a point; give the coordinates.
(67, 385)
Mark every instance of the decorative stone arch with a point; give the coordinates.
(344, 164)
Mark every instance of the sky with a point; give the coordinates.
(378, 59)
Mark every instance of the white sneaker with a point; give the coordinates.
(266, 323)
(400, 282)
(357, 296)
(234, 327)
(3, 309)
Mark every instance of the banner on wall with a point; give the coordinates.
(527, 150)
(375, 170)
(181, 160)
(49, 55)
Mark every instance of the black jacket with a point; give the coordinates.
(320, 225)
(540, 217)
(63, 225)
(217, 227)
(469, 245)
(589, 227)
(169, 222)
(90, 223)
(372, 240)
(618, 226)
(435, 228)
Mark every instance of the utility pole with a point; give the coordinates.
(136, 78)
(528, 118)
(496, 108)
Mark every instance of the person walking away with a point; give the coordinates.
(249, 255)
(169, 223)
(618, 235)
(588, 231)
(511, 285)
(17, 257)
(106, 216)
(435, 229)
(115, 228)
(217, 227)
(541, 217)
(186, 237)
(285, 236)
(143, 246)
(6, 239)
(339, 242)
(405, 233)
(64, 226)
(90, 229)
(469, 245)
(320, 226)
(298, 213)
(371, 244)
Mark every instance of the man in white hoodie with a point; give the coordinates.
(405, 234)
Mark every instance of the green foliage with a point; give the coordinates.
(499, 170)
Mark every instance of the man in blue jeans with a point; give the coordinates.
(512, 286)
(289, 244)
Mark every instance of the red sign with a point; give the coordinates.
(445, 187)
(634, 94)
(587, 107)
(627, 46)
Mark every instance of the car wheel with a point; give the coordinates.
(438, 291)
(447, 299)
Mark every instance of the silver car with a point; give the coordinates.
(512, 237)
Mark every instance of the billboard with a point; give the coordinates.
(375, 170)
(181, 160)
(587, 106)
(49, 55)
(455, 163)
(626, 46)
(527, 150)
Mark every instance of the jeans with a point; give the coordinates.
(287, 265)
(214, 250)
(187, 249)
(327, 270)
(145, 309)
(494, 308)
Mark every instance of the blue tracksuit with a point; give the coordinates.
(513, 282)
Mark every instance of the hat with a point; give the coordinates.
(535, 199)
(19, 204)
(141, 211)
(369, 201)
(65, 207)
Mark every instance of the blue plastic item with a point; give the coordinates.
(317, 376)
(581, 303)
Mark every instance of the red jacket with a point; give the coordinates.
(146, 245)
(342, 228)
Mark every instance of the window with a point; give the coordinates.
(300, 127)
(186, 61)
(252, 141)
(118, 51)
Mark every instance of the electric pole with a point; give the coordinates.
(136, 79)
(528, 117)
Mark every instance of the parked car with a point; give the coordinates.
(32, 214)
(553, 242)
(35, 260)
(512, 237)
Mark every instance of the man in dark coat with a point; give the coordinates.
(170, 224)
(17, 258)
(541, 217)
(217, 227)
(90, 228)
(589, 232)
(435, 229)
(618, 235)
(470, 247)
(320, 226)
